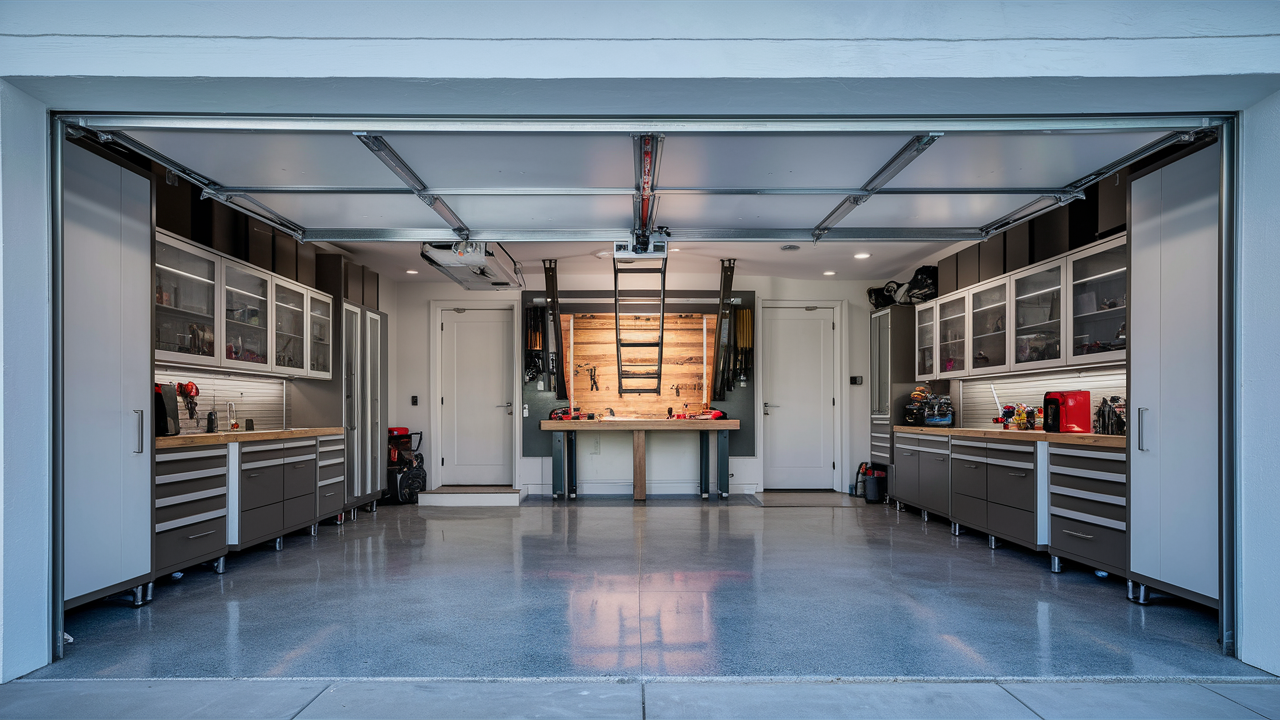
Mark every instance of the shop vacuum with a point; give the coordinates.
(406, 474)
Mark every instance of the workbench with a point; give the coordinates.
(564, 451)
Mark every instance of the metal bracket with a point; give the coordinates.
(901, 159)
(379, 146)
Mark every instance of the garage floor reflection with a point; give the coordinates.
(677, 587)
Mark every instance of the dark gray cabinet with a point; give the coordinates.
(190, 508)
(906, 471)
(1088, 506)
(1012, 492)
(892, 375)
(922, 474)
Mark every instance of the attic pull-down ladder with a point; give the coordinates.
(639, 342)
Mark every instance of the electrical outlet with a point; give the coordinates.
(413, 400)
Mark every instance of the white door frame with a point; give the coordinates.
(839, 367)
(437, 310)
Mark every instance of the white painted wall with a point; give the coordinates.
(1259, 346)
(25, 362)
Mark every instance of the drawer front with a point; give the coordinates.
(180, 545)
(299, 478)
(300, 510)
(968, 476)
(1022, 453)
(185, 506)
(1107, 491)
(261, 522)
(261, 486)
(966, 446)
(934, 442)
(969, 511)
(166, 491)
(1011, 523)
(935, 485)
(1104, 545)
(256, 453)
(1100, 461)
(329, 472)
(1014, 487)
(905, 440)
(330, 499)
(189, 463)
(1102, 513)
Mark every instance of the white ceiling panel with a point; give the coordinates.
(492, 160)
(933, 211)
(272, 159)
(326, 210)
(744, 211)
(1039, 160)
(774, 161)
(540, 212)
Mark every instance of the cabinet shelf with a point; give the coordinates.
(1035, 326)
(280, 333)
(187, 275)
(1037, 293)
(1101, 314)
(245, 324)
(990, 334)
(1099, 276)
(985, 308)
(246, 293)
(183, 311)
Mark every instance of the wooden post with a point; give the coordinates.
(638, 480)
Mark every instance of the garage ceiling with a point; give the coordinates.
(573, 186)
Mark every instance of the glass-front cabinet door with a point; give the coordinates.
(1038, 321)
(988, 328)
(291, 328)
(320, 335)
(952, 348)
(186, 299)
(248, 317)
(880, 363)
(926, 321)
(1099, 303)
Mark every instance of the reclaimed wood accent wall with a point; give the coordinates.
(591, 344)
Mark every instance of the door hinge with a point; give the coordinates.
(442, 462)
(833, 402)
(833, 326)
(442, 326)
(833, 464)
(441, 399)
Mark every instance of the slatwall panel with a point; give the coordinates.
(259, 398)
(979, 407)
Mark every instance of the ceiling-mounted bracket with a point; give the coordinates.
(382, 149)
(901, 159)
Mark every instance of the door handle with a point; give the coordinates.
(767, 406)
(507, 406)
(140, 424)
(1142, 413)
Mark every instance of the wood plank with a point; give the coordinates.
(1088, 439)
(222, 438)
(630, 425)
(639, 481)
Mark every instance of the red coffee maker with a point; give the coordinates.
(1068, 411)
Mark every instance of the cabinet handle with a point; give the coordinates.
(193, 537)
(300, 465)
(330, 494)
(253, 475)
(971, 467)
(1014, 474)
(1142, 445)
(1079, 535)
(904, 452)
(940, 459)
(140, 418)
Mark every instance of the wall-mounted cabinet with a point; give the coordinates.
(988, 328)
(214, 310)
(1099, 302)
(1037, 312)
(186, 302)
(953, 346)
(926, 340)
(1020, 322)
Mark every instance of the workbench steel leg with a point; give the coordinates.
(704, 467)
(571, 462)
(557, 464)
(722, 462)
(639, 478)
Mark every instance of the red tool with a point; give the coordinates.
(188, 391)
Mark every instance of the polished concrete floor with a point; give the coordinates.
(675, 588)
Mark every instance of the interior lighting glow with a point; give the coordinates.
(829, 272)
(862, 256)
(412, 272)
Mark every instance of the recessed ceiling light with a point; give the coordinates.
(829, 272)
(862, 256)
(412, 272)
(790, 247)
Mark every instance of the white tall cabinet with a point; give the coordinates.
(1173, 360)
(107, 424)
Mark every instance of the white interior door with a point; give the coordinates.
(799, 396)
(476, 376)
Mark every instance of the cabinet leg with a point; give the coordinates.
(139, 596)
(991, 541)
(1138, 593)
(898, 503)
(315, 528)
(354, 511)
(279, 544)
(340, 518)
(955, 528)
(1055, 564)
(220, 565)
(924, 515)
(373, 506)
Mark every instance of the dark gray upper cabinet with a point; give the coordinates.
(261, 238)
(285, 256)
(307, 264)
(991, 258)
(1113, 203)
(1050, 235)
(1017, 247)
(968, 263)
(947, 275)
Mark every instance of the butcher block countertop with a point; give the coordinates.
(597, 425)
(1088, 439)
(222, 438)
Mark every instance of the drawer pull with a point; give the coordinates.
(1014, 474)
(940, 459)
(971, 467)
(330, 494)
(904, 452)
(253, 475)
(1079, 535)
(299, 466)
(193, 537)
